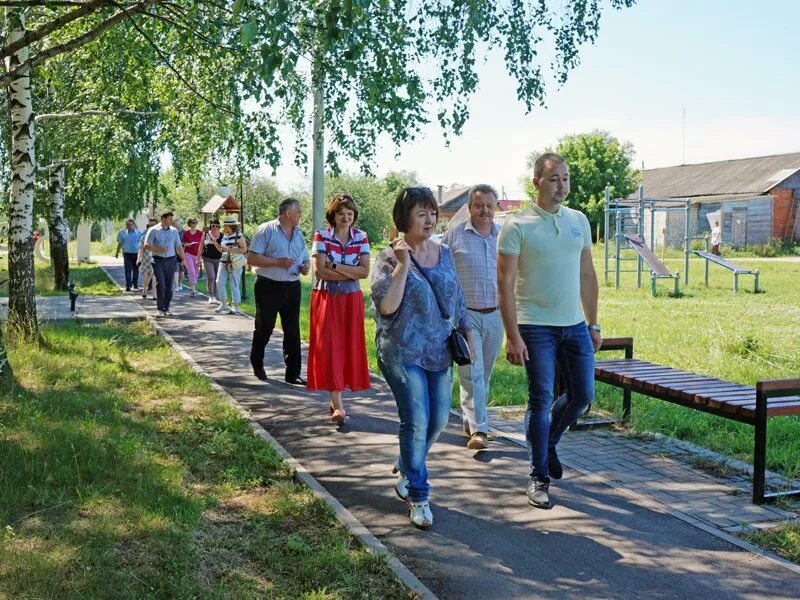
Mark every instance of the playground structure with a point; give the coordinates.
(625, 224)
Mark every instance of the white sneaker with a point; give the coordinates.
(211, 300)
(236, 311)
(420, 514)
(222, 308)
(401, 486)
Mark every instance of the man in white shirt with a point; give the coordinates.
(474, 246)
(716, 238)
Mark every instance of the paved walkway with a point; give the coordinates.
(57, 308)
(598, 541)
(695, 484)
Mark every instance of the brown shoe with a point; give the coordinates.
(478, 441)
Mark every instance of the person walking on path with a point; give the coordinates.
(191, 245)
(128, 241)
(716, 238)
(548, 300)
(163, 241)
(474, 247)
(145, 262)
(412, 339)
(279, 257)
(211, 258)
(337, 353)
(233, 249)
(179, 272)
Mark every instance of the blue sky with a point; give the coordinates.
(730, 63)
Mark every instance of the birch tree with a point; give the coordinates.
(227, 74)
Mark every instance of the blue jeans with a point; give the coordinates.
(423, 403)
(164, 270)
(545, 422)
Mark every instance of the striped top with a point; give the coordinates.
(230, 240)
(326, 242)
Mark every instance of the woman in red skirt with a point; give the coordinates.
(337, 356)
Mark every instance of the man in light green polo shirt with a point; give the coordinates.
(548, 291)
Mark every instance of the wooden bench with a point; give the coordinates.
(751, 405)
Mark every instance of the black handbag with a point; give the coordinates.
(456, 341)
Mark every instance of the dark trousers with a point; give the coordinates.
(131, 269)
(275, 298)
(164, 270)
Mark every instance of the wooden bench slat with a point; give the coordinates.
(673, 381)
(632, 368)
(782, 403)
(701, 394)
(784, 409)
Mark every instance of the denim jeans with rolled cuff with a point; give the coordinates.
(545, 421)
(423, 404)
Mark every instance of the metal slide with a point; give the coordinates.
(657, 268)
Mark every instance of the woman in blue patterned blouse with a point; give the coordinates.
(411, 339)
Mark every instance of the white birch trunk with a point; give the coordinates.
(59, 257)
(21, 290)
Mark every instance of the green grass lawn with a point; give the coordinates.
(709, 330)
(124, 475)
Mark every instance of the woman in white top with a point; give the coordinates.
(234, 257)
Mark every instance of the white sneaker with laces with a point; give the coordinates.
(222, 308)
(401, 486)
(420, 514)
(211, 300)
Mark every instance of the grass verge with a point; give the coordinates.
(126, 476)
(783, 541)
(89, 279)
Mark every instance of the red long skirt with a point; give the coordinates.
(337, 354)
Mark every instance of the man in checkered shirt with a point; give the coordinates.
(474, 247)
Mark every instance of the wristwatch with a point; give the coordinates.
(595, 327)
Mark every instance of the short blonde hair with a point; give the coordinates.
(548, 157)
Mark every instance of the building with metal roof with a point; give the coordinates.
(755, 199)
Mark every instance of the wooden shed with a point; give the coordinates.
(219, 204)
(757, 198)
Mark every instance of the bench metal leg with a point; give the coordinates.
(626, 405)
(677, 284)
(755, 289)
(735, 282)
(760, 450)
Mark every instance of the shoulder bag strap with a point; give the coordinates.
(445, 316)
